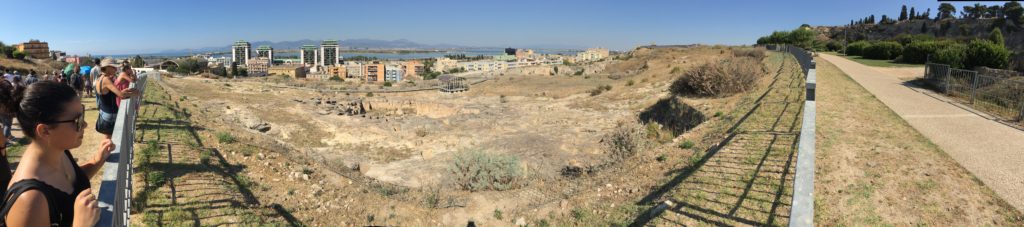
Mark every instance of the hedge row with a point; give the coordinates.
(978, 52)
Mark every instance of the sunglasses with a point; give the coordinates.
(79, 121)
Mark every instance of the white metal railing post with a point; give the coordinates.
(802, 208)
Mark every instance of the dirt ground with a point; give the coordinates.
(401, 147)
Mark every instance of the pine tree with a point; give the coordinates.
(913, 15)
(903, 13)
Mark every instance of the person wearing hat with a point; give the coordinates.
(106, 94)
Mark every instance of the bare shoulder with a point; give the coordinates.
(29, 209)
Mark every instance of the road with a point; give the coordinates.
(991, 151)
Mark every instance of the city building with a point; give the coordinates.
(240, 52)
(504, 57)
(34, 49)
(592, 54)
(341, 71)
(412, 69)
(353, 70)
(258, 66)
(265, 52)
(57, 55)
(483, 65)
(294, 71)
(444, 64)
(523, 54)
(394, 73)
(373, 72)
(308, 55)
(329, 54)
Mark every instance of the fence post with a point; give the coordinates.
(974, 86)
(1020, 113)
(927, 66)
(946, 80)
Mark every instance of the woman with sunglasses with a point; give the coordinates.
(106, 97)
(48, 187)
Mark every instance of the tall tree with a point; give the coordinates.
(995, 11)
(1013, 12)
(946, 10)
(927, 14)
(903, 13)
(913, 15)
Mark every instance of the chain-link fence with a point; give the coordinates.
(1001, 96)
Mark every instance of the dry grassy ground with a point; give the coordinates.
(874, 169)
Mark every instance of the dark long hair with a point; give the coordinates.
(42, 102)
(9, 97)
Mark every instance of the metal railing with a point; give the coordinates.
(1002, 97)
(801, 212)
(116, 186)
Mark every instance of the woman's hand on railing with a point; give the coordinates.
(129, 92)
(87, 210)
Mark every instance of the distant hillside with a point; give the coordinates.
(951, 28)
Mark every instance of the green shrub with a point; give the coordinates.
(155, 178)
(986, 53)
(886, 50)
(225, 137)
(833, 46)
(477, 170)
(907, 39)
(387, 83)
(857, 48)
(335, 78)
(919, 52)
(952, 55)
(204, 156)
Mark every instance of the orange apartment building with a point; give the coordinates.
(373, 72)
(34, 49)
(413, 69)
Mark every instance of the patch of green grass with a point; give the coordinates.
(661, 158)
(580, 214)
(225, 137)
(686, 144)
(926, 185)
(497, 214)
(155, 178)
(879, 63)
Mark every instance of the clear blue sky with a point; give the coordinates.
(146, 26)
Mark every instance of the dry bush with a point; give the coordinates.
(718, 79)
(477, 170)
(756, 53)
(625, 140)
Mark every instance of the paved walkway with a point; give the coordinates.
(991, 151)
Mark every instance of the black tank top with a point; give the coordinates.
(106, 101)
(62, 204)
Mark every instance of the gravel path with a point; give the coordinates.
(991, 151)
